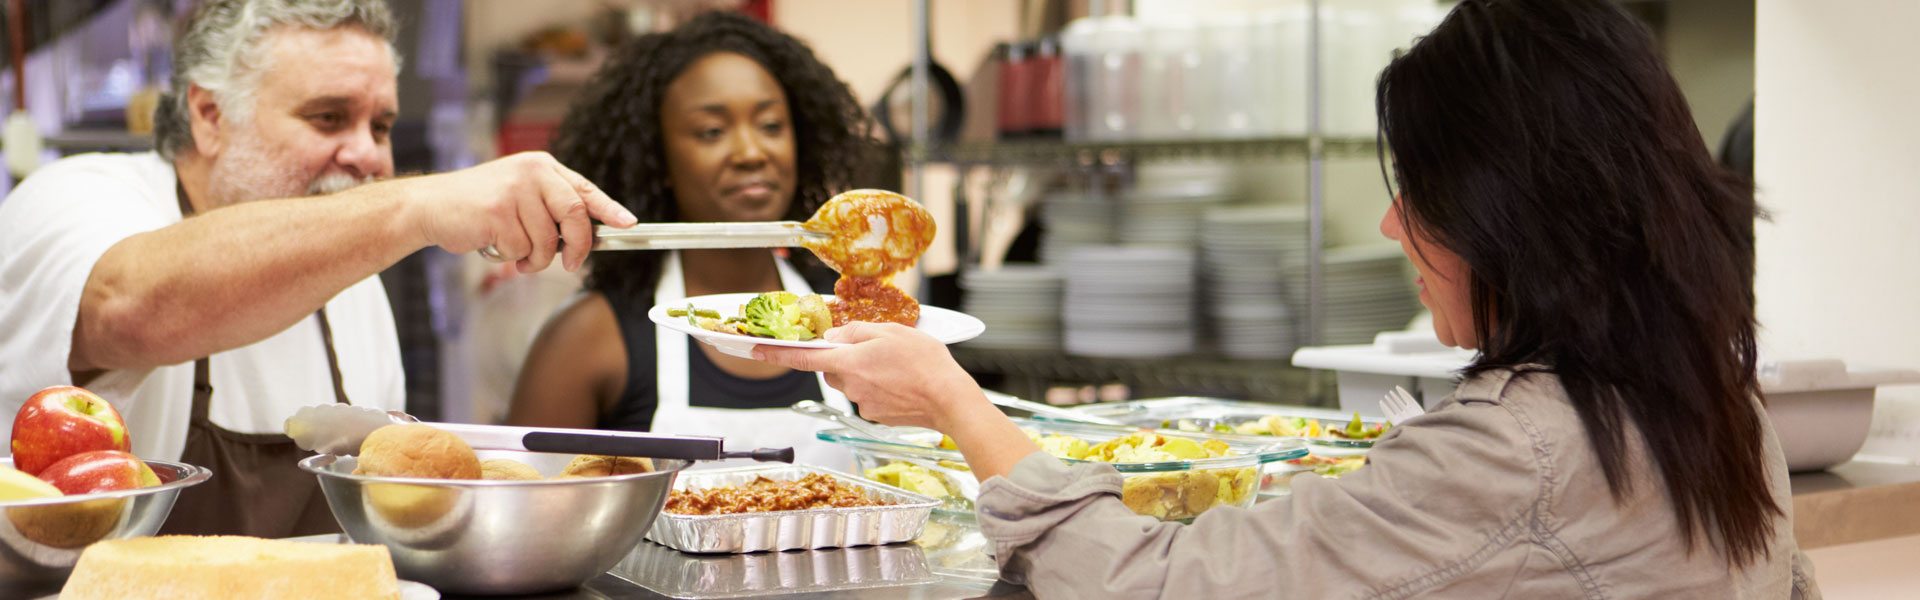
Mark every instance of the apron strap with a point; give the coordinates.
(333, 360)
(202, 390)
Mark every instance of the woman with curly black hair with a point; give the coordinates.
(721, 119)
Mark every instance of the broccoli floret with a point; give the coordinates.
(776, 315)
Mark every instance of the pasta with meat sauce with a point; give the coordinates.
(766, 495)
(874, 236)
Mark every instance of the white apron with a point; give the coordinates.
(744, 429)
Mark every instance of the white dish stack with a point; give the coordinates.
(1020, 305)
(1167, 214)
(1130, 302)
(1075, 220)
(1368, 289)
(1245, 253)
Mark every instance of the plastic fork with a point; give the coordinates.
(1400, 405)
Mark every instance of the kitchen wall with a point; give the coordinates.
(1709, 47)
(1835, 150)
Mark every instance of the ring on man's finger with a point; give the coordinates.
(492, 254)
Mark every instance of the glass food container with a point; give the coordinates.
(1228, 418)
(1330, 456)
(1171, 490)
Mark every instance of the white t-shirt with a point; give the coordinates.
(58, 223)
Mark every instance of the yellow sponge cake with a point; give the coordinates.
(230, 567)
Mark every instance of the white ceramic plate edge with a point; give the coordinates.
(949, 326)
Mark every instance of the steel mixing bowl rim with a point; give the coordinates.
(313, 464)
(184, 476)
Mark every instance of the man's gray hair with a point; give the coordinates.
(220, 50)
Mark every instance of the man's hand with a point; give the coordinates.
(523, 205)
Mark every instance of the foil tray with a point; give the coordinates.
(829, 572)
(899, 521)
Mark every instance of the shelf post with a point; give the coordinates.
(922, 124)
(1316, 179)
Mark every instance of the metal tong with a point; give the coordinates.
(679, 236)
(340, 428)
(685, 236)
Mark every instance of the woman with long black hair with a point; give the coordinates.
(722, 119)
(1607, 441)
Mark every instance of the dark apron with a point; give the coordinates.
(256, 489)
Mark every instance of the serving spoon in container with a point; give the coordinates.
(339, 429)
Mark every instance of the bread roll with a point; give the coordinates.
(593, 465)
(507, 469)
(414, 450)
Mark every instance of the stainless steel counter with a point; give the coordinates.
(947, 562)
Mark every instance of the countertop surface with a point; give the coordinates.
(1856, 502)
(947, 562)
(1847, 504)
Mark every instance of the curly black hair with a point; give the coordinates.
(612, 133)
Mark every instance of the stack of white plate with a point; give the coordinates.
(1244, 252)
(1167, 214)
(1368, 289)
(1074, 220)
(1132, 302)
(1020, 305)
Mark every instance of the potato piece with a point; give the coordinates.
(1144, 495)
(1199, 491)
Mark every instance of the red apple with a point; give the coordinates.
(62, 421)
(99, 471)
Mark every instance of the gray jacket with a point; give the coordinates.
(1495, 493)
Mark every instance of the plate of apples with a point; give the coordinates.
(73, 481)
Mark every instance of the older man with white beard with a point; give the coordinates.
(210, 289)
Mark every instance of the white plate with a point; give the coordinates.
(414, 590)
(945, 325)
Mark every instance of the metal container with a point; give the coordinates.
(899, 520)
(497, 537)
(43, 538)
(824, 572)
(1174, 490)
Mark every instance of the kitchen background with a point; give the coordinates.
(1133, 127)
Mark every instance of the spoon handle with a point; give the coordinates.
(1051, 411)
(688, 236)
(676, 236)
(870, 429)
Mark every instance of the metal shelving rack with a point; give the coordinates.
(1088, 154)
(1254, 380)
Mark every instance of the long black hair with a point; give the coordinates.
(1544, 142)
(612, 132)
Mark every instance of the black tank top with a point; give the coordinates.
(707, 385)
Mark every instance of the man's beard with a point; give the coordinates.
(248, 170)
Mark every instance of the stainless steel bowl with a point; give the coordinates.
(41, 539)
(498, 537)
